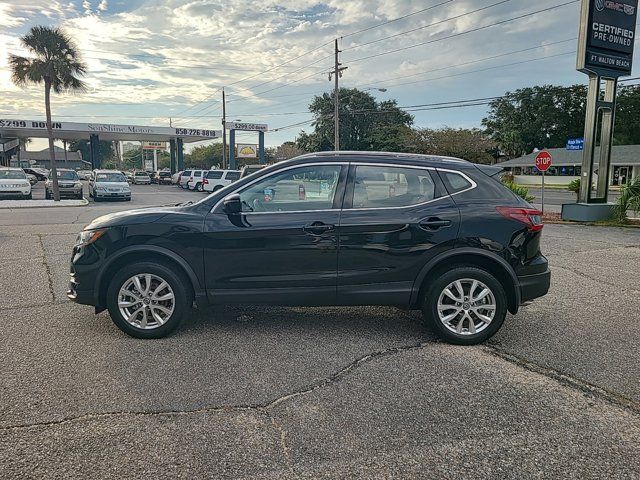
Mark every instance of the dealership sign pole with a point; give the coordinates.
(543, 162)
(605, 53)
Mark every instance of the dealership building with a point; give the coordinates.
(567, 166)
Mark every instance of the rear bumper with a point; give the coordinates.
(534, 286)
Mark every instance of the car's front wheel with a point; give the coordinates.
(466, 305)
(148, 299)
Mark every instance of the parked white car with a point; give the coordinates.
(109, 184)
(141, 178)
(214, 180)
(195, 180)
(14, 183)
(184, 178)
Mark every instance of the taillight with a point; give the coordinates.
(205, 181)
(531, 217)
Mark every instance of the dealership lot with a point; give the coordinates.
(325, 392)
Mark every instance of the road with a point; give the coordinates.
(274, 392)
(555, 198)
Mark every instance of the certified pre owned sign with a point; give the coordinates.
(607, 37)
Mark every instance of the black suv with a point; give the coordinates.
(338, 228)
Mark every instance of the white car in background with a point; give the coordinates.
(14, 184)
(109, 184)
(185, 177)
(141, 178)
(214, 180)
(84, 174)
(196, 181)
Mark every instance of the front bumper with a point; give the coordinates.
(534, 286)
(15, 193)
(124, 195)
(67, 192)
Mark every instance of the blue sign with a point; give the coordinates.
(575, 144)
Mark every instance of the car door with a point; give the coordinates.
(283, 247)
(395, 219)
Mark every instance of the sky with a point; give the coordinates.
(152, 60)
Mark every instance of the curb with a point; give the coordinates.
(53, 204)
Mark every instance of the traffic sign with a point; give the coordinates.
(543, 161)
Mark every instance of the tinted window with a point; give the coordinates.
(233, 176)
(141, 174)
(197, 173)
(380, 187)
(110, 177)
(215, 174)
(455, 182)
(186, 173)
(66, 175)
(12, 175)
(304, 188)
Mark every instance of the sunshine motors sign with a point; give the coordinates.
(607, 37)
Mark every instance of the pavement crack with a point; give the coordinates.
(261, 407)
(589, 277)
(47, 268)
(566, 380)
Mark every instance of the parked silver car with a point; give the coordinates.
(109, 184)
(14, 184)
(69, 184)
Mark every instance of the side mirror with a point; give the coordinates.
(232, 204)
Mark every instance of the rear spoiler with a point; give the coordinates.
(490, 170)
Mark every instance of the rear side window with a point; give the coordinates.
(233, 176)
(384, 187)
(186, 173)
(197, 173)
(455, 182)
(214, 175)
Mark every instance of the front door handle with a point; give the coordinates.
(318, 228)
(435, 223)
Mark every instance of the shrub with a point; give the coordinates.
(629, 199)
(519, 190)
(574, 187)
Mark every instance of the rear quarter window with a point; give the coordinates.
(233, 176)
(486, 188)
(214, 175)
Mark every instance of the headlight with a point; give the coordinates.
(87, 237)
(101, 189)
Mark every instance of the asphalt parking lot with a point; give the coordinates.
(272, 392)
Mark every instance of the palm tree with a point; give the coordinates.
(56, 64)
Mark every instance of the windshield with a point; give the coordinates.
(67, 175)
(12, 175)
(141, 174)
(110, 177)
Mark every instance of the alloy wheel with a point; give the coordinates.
(146, 301)
(466, 306)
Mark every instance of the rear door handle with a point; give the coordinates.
(318, 228)
(435, 223)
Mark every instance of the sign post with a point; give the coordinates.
(543, 161)
(605, 53)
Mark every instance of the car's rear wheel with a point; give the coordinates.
(466, 305)
(148, 299)
(200, 187)
(217, 187)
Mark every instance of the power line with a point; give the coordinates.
(395, 19)
(484, 27)
(360, 45)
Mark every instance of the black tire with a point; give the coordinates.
(28, 197)
(178, 282)
(47, 195)
(437, 287)
(200, 187)
(217, 187)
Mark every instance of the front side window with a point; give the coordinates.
(214, 175)
(384, 187)
(298, 189)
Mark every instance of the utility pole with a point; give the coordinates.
(224, 131)
(337, 72)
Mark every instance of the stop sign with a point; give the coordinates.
(543, 161)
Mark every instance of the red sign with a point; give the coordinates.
(543, 161)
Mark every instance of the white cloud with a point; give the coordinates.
(161, 56)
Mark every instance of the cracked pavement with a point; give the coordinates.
(273, 392)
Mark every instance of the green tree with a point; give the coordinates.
(204, 156)
(105, 149)
(470, 144)
(365, 124)
(57, 65)
(536, 117)
(627, 127)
